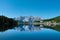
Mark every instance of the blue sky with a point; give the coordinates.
(40, 8)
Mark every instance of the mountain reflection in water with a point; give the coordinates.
(31, 28)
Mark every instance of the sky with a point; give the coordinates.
(41, 8)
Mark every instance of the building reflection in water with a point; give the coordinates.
(29, 28)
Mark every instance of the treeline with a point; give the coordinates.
(7, 23)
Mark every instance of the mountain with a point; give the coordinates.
(55, 19)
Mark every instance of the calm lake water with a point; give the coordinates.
(29, 32)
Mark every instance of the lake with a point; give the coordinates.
(29, 32)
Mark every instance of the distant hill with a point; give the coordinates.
(55, 19)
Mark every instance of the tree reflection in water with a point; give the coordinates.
(30, 28)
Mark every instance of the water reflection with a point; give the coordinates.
(4, 28)
(30, 28)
